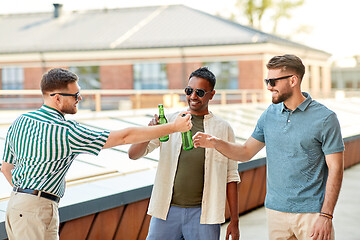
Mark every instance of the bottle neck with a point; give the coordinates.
(161, 111)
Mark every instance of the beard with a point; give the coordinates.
(69, 109)
(197, 105)
(281, 97)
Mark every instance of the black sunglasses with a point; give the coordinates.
(76, 95)
(271, 81)
(199, 92)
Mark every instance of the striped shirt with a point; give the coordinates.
(42, 145)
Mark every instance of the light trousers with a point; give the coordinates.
(292, 226)
(30, 217)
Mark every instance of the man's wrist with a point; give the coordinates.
(326, 215)
(172, 127)
(234, 220)
(215, 142)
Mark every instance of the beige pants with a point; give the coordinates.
(291, 226)
(31, 217)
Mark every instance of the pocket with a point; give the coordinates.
(20, 219)
(47, 213)
(53, 225)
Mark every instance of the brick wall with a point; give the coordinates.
(32, 78)
(178, 74)
(116, 77)
(175, 75)
(250, 74)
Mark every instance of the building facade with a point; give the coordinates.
(145, 48)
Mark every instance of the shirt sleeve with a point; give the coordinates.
(258, 132)
(332, 141)
(233, 172)
(8, 155)
(85, 140)
(153, 144)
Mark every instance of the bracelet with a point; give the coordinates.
(329, 216)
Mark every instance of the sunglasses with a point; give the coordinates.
(271, 81)
(199, 92)
(76, 95)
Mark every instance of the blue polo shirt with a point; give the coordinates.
(296, 144)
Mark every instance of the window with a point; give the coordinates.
(12, 78)
(150, 76)
(226, 74)
(89, 77)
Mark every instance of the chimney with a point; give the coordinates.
(57, 10)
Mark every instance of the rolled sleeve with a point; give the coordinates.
(153, 144)
(8, 155)
(232, 173)
(84, 140)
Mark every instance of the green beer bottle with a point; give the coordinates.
(187, 139)
(162, 120)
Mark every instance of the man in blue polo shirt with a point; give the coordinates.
(304, 150)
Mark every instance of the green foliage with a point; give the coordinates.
(282, 10)
(254, 10)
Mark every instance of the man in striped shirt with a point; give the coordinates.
(40, 147)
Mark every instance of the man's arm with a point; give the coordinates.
(232, 197)
(323, 225)
(234, 151)
(137, 150)
(6, 170)
(143, 134)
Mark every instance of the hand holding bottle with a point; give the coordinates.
(154, 121)
(162, 120)
(183, 124)
(187, 139)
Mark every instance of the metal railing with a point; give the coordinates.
(97, 100)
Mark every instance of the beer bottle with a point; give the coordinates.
(162, 120)
(187, 139)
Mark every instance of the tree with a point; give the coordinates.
(254, 10)
(283, 11)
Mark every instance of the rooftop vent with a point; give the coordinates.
(57, 10)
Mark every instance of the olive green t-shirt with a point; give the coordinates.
(189, 178)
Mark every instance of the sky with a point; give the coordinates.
(332, 24)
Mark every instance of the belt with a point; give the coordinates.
(36, 192)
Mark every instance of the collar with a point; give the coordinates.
(53, 112)
(209, 115)
(302, 107)
(206, 116)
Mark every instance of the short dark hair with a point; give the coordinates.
(56, 79)
(206, 74)
(287, 62)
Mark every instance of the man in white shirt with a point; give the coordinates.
(189, 195)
